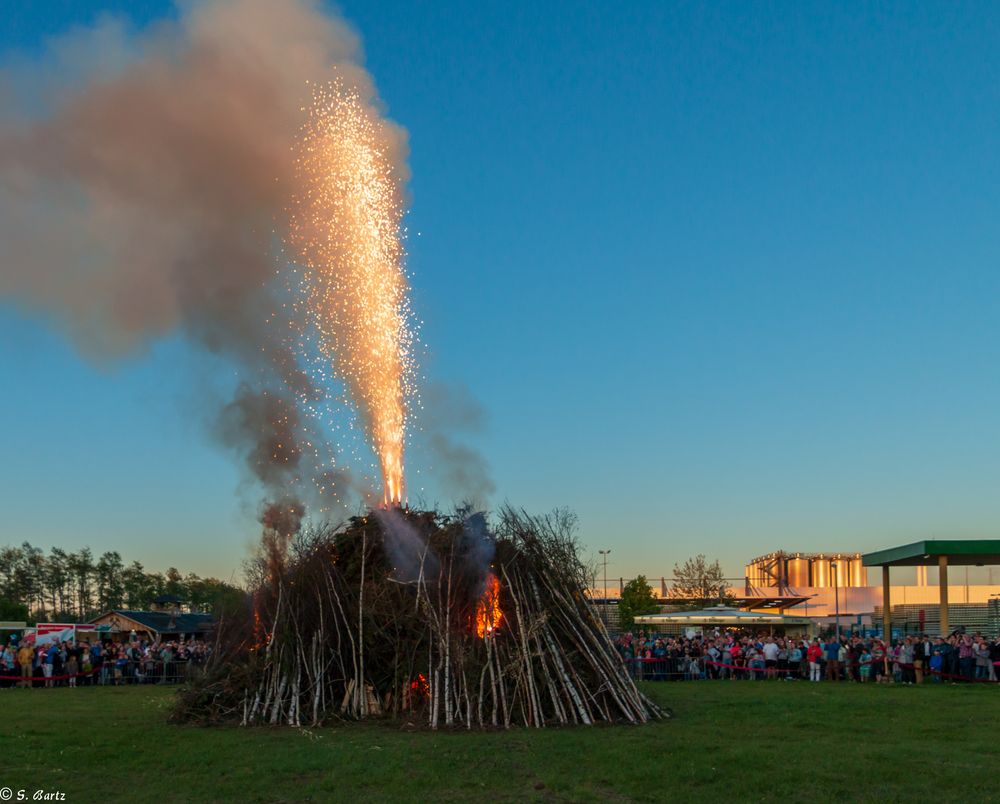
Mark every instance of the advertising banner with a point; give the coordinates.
(54, 632)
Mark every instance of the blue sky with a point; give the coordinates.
(723, 277)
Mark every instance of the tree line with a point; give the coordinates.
(77, 586)
(697, 583)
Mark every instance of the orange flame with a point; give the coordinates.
(261, 637)
(419, 686)
(488, 613)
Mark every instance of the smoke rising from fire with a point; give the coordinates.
(409, 550)
(144, 190)
(463, 470)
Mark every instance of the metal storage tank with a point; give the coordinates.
(798, 572)
(821, 572)
(859, 576)
(840, 574)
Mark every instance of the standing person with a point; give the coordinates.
(86, 663)
(906, 660)
(919, 657)
(736, 652)
(712, 661)
(852, 657)
(966, 658)
(26, 660)
(795, 660)
(832, 650)
(120, 664)
(940, 667)
(937, 662)
(783, 653)
(659, 662)
(949, 653)
(8, 665)
(48, 662)
(71, 667)
(844, 660)
(878, 660)
(727, 661)
(97, 657)
(981, 652)
(865, 662)
(751, 659)
(770, 651)
(814, 654)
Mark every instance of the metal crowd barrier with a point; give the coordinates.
(111, 673)
(145, 671)
(689, 669)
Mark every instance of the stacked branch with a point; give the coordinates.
(419, 615)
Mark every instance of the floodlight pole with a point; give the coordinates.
(836, 594)
(604, 553)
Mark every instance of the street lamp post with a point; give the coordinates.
(604, 554)
(836, 594)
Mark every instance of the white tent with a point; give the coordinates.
(723, 616)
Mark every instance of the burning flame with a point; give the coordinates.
(419, 686)
(261, 637)
(488, 613)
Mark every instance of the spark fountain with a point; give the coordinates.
(346, 230)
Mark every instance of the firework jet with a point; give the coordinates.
(345, 228)
(148, 180)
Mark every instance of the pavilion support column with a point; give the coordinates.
(943, 588)
(886, 610)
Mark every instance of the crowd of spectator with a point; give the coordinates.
(735, 655)
(72, 664)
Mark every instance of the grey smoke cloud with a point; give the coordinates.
(407, 547)
(448, 413)
(144, 193)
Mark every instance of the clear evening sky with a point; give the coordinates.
(723, 276)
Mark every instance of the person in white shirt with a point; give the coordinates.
(771, 657)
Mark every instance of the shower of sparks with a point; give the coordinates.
(346, 233)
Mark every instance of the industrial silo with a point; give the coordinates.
(820, 572)
(859, 575)
(798, 572)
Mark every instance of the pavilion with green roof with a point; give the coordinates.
(941, 553)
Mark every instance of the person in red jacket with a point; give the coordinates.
(814, 654)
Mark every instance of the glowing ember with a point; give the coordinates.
(488, 613)
(261, 637)
(346, 230)
(419, 686)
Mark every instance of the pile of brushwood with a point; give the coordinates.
(417, 615)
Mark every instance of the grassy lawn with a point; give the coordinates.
(729, 741)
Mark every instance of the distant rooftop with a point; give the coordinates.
(959, 552)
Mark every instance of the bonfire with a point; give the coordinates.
(422, 616)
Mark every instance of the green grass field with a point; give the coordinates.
(728, 741)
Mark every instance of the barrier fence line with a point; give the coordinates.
(110, 674)
(786, 670)
(47, 678)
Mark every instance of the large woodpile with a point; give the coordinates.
(424, 616)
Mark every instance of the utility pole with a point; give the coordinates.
(836, 593)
